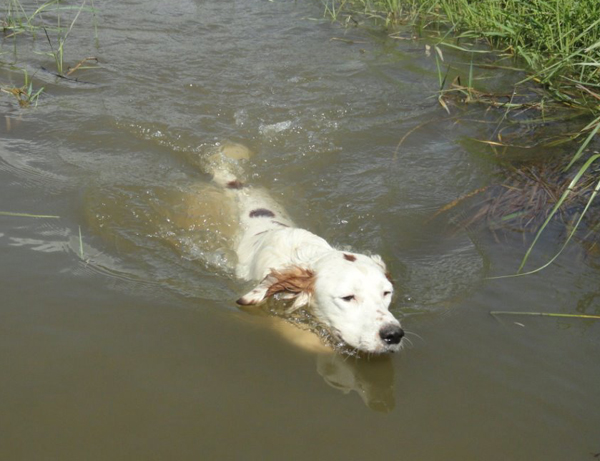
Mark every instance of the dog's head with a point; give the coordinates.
(349, 293)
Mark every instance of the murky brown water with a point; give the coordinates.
(137, 351)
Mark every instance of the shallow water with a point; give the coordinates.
(131, 346)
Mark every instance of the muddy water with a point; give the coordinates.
(127, 344)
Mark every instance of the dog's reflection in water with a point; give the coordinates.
(371, 377)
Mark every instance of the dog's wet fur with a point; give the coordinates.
(349, 293)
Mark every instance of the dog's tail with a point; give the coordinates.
(226, 163)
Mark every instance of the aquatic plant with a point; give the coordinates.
(48, 19)
(57, 52)
(25, 95)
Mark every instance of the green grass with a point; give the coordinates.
(558, 39)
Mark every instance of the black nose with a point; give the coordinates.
(391, 334)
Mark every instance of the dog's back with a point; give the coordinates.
(258, 213)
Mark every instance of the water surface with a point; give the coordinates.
(131, 347)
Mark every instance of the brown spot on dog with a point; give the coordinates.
(235, 184)
(349, 257)
(262, 213)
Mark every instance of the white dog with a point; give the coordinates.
(349, 293)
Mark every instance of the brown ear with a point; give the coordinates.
(294, 282)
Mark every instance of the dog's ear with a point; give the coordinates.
(294, 282)
(377, 260)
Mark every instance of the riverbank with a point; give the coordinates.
(557, 45)
(559, 40)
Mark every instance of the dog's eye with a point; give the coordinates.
(385, 293)
(348, 298)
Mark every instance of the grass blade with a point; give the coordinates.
(574, 181)
(585, 143)
(27, 215)
(80, 244)
(547, 314)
